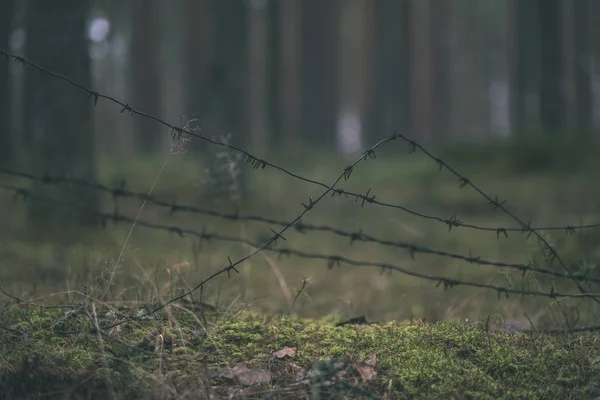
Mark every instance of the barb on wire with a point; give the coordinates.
(257, 162)
(525, 228)
(120, 192)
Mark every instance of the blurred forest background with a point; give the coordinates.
(339, 74)
(309, 83)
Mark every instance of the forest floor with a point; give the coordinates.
(184, 353)
(456, 336)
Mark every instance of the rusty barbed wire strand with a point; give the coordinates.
(332, 260)
(452, 222)
(346, 173)
(301, 227)
(249, 158)
(256, 162)
(121, 192)
(496, 204)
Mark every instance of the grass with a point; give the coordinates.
(442, 358)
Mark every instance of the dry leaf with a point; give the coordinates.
(286, 351)
(366, 369)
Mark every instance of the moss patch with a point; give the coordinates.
(178, 353)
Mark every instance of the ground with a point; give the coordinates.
(181, 353)
(274, 320)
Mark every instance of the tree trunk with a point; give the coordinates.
(225, 111)
(422, 88)
(258, 76)
(145, 78)
(57, 115)
(594, 7)
(469, 108)
(443, 37)
(290, 45)
(524, 42)
(353, 83)
(391, 110)
(6, 141)
(319, 71)
(584, 19)
(551, 97)
(577, 67)
(199, 53)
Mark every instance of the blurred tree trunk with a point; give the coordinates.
(6, 142)
(551, 79)
(584, 20)
(224, 111)
(115, 134)
(391, 109)
(595, 63)
(290, 74)
(258, 75)
(469, 107)
(524, 65)
(228, 71)
(274, 72)
(353, 79)
(320, 32)
(57, 116)
(497, 66)
(444, 35)
(172, 50)
(145, 74)
(198, 41)
(577, 66)
(422, 88)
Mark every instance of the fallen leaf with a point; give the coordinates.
(366, 369)
(286, 351)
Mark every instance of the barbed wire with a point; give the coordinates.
(174, 207)
(345, 174)
(496, 204)
(332, 260)
(358, 236)
(256, 162)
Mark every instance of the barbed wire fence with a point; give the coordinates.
(581, 281)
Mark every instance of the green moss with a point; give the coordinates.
(433, 361)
